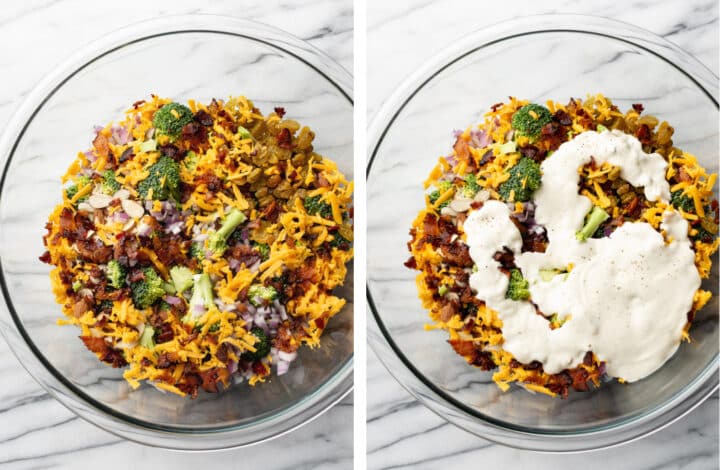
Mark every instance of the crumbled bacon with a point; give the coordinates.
(562, 117)
(643, 134)
(457, 254)
(45, 258)
(638, 107)
(284, 139)
(127, 154)
(280, 111)
(411, 263)
(204, 118)
(164, 333)
(462, 149)
(102, 147)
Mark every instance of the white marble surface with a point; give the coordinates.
(35, 431)
(401, 433)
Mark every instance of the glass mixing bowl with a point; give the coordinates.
(537, 58)
(183, 57)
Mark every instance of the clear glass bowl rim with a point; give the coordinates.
(87, 408)
(379, 338)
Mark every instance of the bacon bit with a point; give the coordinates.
(534, 153)
(411, 263)
(127, 154)
(172, 151)
(284, 139)
(279, 111)
(203, 118)
(643, 134)
(457, 254)
(211, 180)
(137, 104)
(271, 212)
(94, 251)
(164, 360)
(320, 323)
(449, 310)
(550, 128)
(211, 378)
(321, 181)
(506, 258)
(45, 258)
(562, 117)
(101, 145)
(244, 254)
(80, 308)
(164, 334)
(496, 106)
(579, 378)
(638, 107)
(684, 176)
(633, 207)
(259, 368)
(283, 340)
(462, 149)
(194, 134)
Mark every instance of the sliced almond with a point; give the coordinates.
(132, 208)
(121, 194)
(447, 210)
(128, 225)
(99, 201)
(482, 196)
(84, 206)
(461, 204)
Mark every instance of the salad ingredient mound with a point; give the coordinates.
(565, 244)
(198, 245)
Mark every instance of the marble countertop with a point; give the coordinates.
(36, 431)
(402, 433)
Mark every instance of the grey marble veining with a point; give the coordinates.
(402, 35)
(35, 430)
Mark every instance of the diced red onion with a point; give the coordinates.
(176, 227)
(172, 300)
(121, 217)
(233, 263)
(282, 367)
(255, 267)
(144, 230)
(286, 356)
(97, 129)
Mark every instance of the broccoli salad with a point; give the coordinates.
(199, 245)
(565, 245)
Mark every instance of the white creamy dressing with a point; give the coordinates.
(627, 295)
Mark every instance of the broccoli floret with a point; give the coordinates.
(263, 249)
(171, 118)
(106, 306)
(244, 133)
(109, 185)
(148, 146)
(471, 187)
(147, 291)
(115, 273)
(182, 278)
(202, 296)
(443, 187)
(214, 328)
(338, 241)
(146, 339)
(518, 288)
(262, 346)
(190, 161)
(524, 179)
(530, 119)
(257, 293)
(76, 286)
(314, 206)
(593, 220)
(197, 251)
(682, 201)
(72, 190)
(217, 242)
(163, 180)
